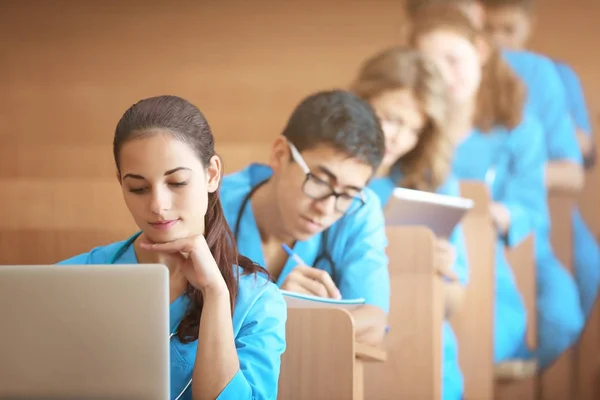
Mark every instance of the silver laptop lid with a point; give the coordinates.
(84, 331)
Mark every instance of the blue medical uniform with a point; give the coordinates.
(355, 246)
(575, 97)
(512, 164)
(586, 257)
(452, 378)
(258, 323)
(546, 100)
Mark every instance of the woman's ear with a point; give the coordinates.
(280, 153)
(213, 173)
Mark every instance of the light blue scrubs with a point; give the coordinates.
(356, 243)
(512, 164)
(452, 378)
(258, 323)
(586, 257)
(547, 100)
(575, 97)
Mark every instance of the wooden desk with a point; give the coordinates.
(474, 321)
(322, 360)
(414, 341)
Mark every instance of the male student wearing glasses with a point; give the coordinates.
(313, 198)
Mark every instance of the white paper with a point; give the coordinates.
(438, 212)
(298, 300)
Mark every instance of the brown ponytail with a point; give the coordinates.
(222, 246)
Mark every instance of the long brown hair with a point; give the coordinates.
(426, 166)
(501, 95)
(185, 122)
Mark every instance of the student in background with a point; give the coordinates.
(410, 97)
(546, 99)
(503, 146)
(313, 198)
(227, 319)
(510, 22)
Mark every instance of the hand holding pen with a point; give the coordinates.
(308, 280)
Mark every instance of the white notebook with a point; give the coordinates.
(438, 212)
(298, 300)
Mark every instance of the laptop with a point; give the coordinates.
(84, 332)
(438, 212)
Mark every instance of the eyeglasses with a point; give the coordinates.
(318, 189)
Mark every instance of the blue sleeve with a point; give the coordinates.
(383, 188)
(80, 259)
(363, 270)
(575, 97)
(260, 344)
(524, 190)
(461, 265)
(98, 255)
(548, 92)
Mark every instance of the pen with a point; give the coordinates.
(293, 255)
(300, 261)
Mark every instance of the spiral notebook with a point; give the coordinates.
(298, 300)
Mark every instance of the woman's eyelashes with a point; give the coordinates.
(144, 189)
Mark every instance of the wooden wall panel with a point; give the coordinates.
(73, 67)
(69, 69)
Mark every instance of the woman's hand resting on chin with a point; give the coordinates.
(194, 257)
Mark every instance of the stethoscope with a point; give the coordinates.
(116, 255)
(323, 255)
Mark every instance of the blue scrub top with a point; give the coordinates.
(512, 164)
(259, 321)
(356, 242)
(452, 380)
(547, 100)
(384, 187)
(575, 97)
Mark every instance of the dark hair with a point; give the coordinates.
(185, 122)
(340, 119)
(526, 5)
(413, 7)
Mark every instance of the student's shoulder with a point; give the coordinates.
(566, 72)
(530, 65)
(98, 255)
(372, 205)
(236, 180)
(256, 292)
(526, 58)
(236, 185)
(530, 130)
(371, 214)
(383, 187)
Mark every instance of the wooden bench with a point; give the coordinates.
(414, 341)
(474, 323)
(322, 361)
